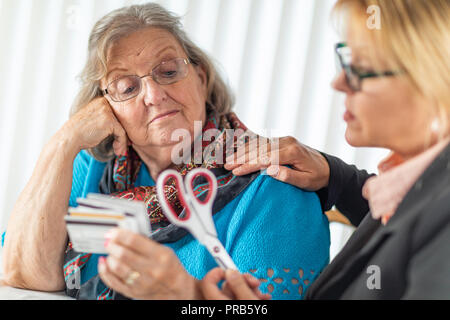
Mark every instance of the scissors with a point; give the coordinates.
(198, 214)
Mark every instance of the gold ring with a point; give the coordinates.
(132, 278)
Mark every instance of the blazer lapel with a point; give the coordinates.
(326, 286)
(371, 234)
(428, 187)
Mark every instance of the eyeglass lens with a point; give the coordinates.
(128, 87)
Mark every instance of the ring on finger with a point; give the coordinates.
(132, 277)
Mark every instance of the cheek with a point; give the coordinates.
(190, 95)
(370, 116)
(374, 123)
(385, 111)
(371, 119)
(130, 116)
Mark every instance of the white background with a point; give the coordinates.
(276, 54)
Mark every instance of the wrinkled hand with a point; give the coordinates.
(160, 273)
(237, 286)
(310, 170)
(94, 123)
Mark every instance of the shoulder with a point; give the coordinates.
(269, 207)
(80, 167)
(82, 164)
(83, 158)
(432, 216)
(266, 194)
(84, 161)
(86, 175)
(428, 268)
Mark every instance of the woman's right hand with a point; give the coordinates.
(309, 169)
(94, 123)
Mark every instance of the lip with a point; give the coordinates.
(165, 115)
(348, 116)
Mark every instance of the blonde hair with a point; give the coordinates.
(414, 36)
(121, 23)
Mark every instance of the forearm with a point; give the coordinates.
(36, 234)
(345, 190)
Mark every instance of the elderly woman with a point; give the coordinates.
(396, 81)
(143, 80)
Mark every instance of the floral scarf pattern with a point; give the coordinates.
(126, 169)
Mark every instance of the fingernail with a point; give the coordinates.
(255, 280)
(273, 171)
(106, 243)
(109, 234)
(236, 171)
(231, 274)
(101, 264)
(101, 260)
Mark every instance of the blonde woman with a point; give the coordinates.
(396, 80)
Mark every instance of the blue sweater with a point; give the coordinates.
(273, 230)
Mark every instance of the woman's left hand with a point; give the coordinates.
(140, 268)
(236, 287)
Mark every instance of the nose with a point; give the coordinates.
(154, 93)
(340, 83)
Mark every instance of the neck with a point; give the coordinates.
(157, 159)
(413, 152)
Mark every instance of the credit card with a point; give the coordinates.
(88, 223)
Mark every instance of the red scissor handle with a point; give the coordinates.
(181, 194)
(186, 193)
(212, 184)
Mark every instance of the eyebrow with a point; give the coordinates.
(158, 55)
(365, 58)
(112, 71)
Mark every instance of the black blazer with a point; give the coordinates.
(409, 258)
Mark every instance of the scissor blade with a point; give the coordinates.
(217, 250)
(205, 218)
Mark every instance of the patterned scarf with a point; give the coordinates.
(126, 169)
(119, 181)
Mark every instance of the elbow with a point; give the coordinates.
(16, 279)
(17, 276)
(12, 275)
(13, 278)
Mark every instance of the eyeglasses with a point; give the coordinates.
(353, 75)
(128, 87)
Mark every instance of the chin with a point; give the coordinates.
(163, 136)
(355, 139)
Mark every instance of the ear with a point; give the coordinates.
(201, 72)
(102, 83)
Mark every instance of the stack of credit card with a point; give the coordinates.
(88, 223)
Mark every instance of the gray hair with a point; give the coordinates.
(122, 22)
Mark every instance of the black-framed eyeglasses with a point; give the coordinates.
(353, 75)
(128, 87)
